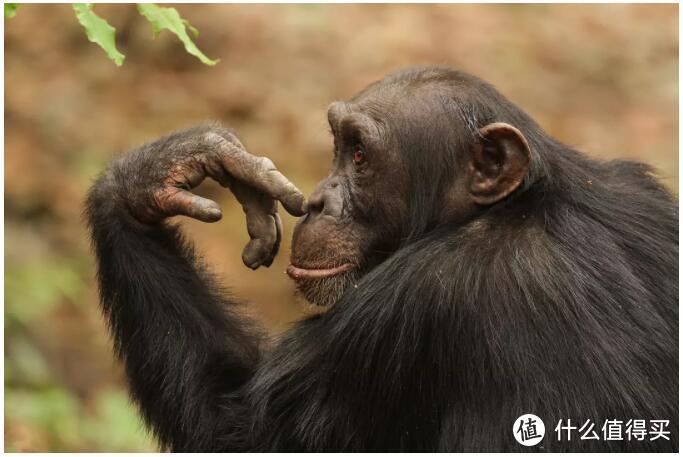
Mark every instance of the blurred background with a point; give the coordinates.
(602, 78)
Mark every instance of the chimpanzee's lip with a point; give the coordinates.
(295, 272)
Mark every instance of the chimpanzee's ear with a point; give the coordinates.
(499, 161)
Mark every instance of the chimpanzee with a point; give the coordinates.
(472, 268)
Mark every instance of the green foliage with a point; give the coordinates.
(38, 400)
(32, 289)
(103, 34)
(111, 423)
(25, 364)
(168, 18)
(98, 31)
(11, 9)
(54, 410)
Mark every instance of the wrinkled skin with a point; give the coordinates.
(162, 189)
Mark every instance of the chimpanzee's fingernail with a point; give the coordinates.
(295, 204)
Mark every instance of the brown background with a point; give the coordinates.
(600, 78)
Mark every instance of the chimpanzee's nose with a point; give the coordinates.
(316, 203)
(326, 199)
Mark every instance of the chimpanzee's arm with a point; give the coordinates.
(185, 350)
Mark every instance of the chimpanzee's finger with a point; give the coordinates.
(262, 225)
(260, 173)
(214, 168)
(263, 233)
(173, 201)
(278, 239)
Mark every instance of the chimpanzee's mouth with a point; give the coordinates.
(296, 273)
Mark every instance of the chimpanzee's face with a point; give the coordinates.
(356, 214)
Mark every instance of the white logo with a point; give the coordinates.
(528, 429)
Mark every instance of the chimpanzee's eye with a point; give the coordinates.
(358, 155)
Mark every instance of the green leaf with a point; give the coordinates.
(11, 9)
(169, 19)
(98, 31)
(194, 30)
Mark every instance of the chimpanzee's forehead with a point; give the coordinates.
(383, 102)
(381, 95)
(393, 104)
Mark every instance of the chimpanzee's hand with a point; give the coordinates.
(160, 175)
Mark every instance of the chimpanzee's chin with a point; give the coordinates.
(325, 292)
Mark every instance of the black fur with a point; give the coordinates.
(561, 301)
